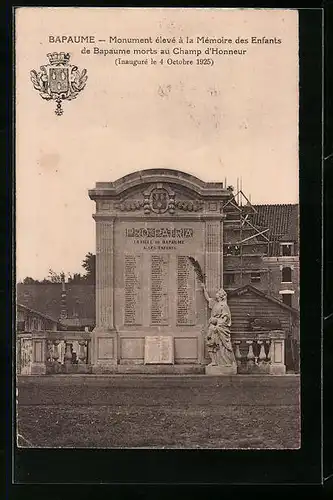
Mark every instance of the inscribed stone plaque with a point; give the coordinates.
(159, 289)
(158, 350)
(133, 306)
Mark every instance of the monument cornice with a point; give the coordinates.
(206, 190)
(160, 218)
(104, 217)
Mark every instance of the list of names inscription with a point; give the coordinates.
(159, 289)
(133, 305)
(185, 292)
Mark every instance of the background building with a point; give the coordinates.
(261, 248)
(28, 320)
(71, 305)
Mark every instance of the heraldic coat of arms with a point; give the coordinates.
(159, 201)
(59, 80)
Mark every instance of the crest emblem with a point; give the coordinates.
(59, 80)
(159, 200)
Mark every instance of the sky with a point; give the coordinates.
(235, 119)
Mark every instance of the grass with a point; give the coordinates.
(161, 412)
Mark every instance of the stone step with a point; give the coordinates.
(152, 369)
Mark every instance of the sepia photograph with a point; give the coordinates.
(157, 228)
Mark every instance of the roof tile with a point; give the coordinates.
(282, 221)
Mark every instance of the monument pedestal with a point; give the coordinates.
(221, 370)
(103, 350)
(277, 369)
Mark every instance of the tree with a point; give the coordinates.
(76, 278)
(56, 277)
(29, 281)
(89, 264)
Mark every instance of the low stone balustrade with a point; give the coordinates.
(47, 352)
(260, 352)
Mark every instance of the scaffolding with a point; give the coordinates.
(239, 211)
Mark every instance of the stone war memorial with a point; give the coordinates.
(152, 228)
(160, 304)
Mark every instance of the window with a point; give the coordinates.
(286, 249)
(286, 275)
(229, 279)
(287, 299)
(233, 250)
(255, 277)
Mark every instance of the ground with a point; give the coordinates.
(87, 411)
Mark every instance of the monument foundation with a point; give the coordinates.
(221, 370)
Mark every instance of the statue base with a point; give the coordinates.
(221, 369)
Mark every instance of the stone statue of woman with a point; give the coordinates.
(218, 337)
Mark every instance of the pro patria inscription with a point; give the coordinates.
(160, 238)
(159, 350)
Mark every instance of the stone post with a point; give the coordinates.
(24, 353)
(277, 357)
(38, 365)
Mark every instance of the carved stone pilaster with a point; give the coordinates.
(104, 274)
(104, 337)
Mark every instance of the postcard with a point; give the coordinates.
(157, 216)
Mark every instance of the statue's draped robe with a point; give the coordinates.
(218, 335)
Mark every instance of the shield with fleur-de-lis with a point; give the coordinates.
(159, 200)
(59, 80)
